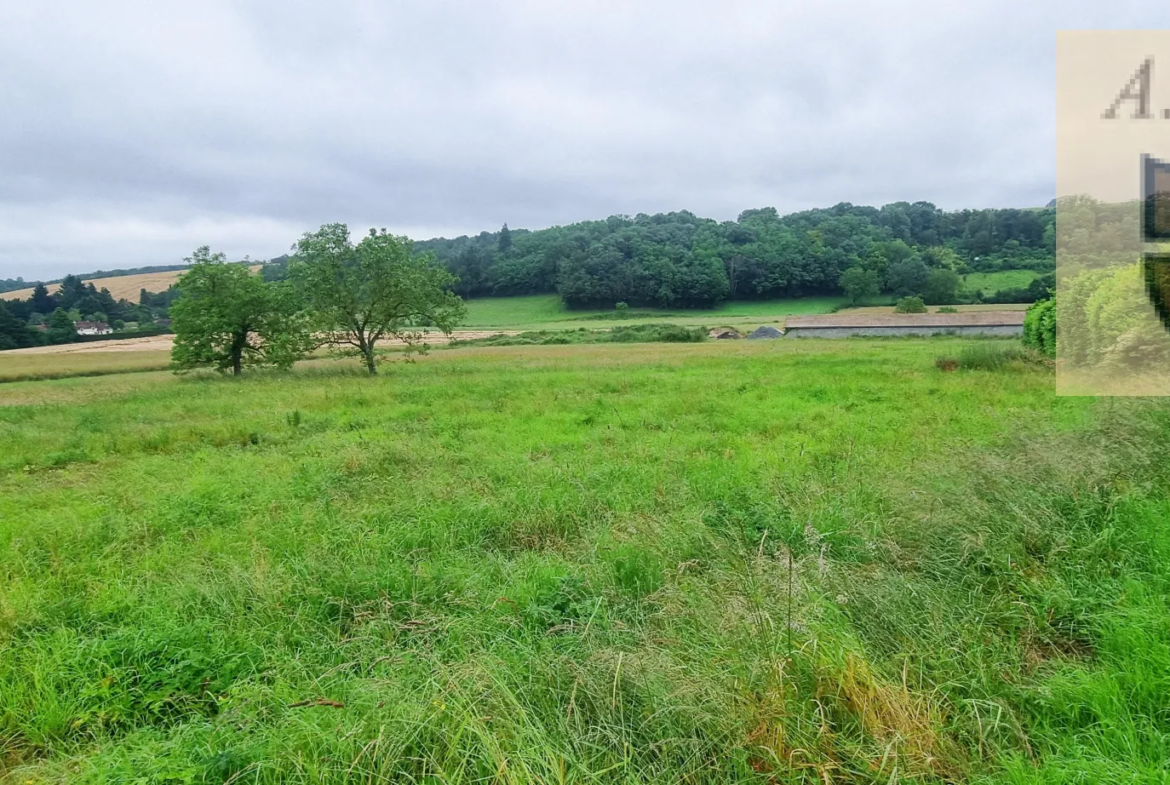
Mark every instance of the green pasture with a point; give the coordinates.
(724, 562)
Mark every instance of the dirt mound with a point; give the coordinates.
(764, 332)
(723, 333)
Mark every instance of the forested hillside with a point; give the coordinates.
(681, 260)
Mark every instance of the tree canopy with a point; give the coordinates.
(14, 333)
(228, 318)
(378, 288)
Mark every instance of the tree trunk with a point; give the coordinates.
(239, 341)
(371, 366)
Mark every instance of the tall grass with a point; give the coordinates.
(989, 356)
(19, 366)
(758, 562)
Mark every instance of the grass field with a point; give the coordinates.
(729, 562)
(990, 283)
(20, 366)
(545, 312)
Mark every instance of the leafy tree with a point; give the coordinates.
(377, 289)
(61, 329)
(1040, 327)
(41, 300)
(471, 268)
(227, 318)
(859, 283)
(943, 258)
(14, 334)
(910, 305)
(942, 287)
(908, 276)
(72, 290)
(505, 242)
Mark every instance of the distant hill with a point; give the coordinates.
(122, 287)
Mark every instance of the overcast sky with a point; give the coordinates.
(132, 132)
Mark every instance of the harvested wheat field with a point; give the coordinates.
(122, 287)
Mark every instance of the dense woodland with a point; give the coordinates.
(681, 260)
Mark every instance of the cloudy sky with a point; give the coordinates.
(133, 131)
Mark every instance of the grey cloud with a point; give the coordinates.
(134, 131)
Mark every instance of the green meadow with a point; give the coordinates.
(724, 562)
(547, 312)
(990, 283)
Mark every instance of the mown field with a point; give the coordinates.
(753, 562)
(990, 283)
(546, 312)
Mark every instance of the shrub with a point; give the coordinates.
(988, 356)
(656, 333)
(948, 309)
(992, 357)
(673, 333)
(621, 310)
(1040, 327)
(910, 305)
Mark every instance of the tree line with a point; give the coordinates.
(681, 260)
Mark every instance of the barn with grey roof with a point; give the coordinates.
(846, 325)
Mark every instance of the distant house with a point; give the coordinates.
(846, 325)
(163, 323)
(92, 328)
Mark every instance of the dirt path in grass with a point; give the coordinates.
(162, 343)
